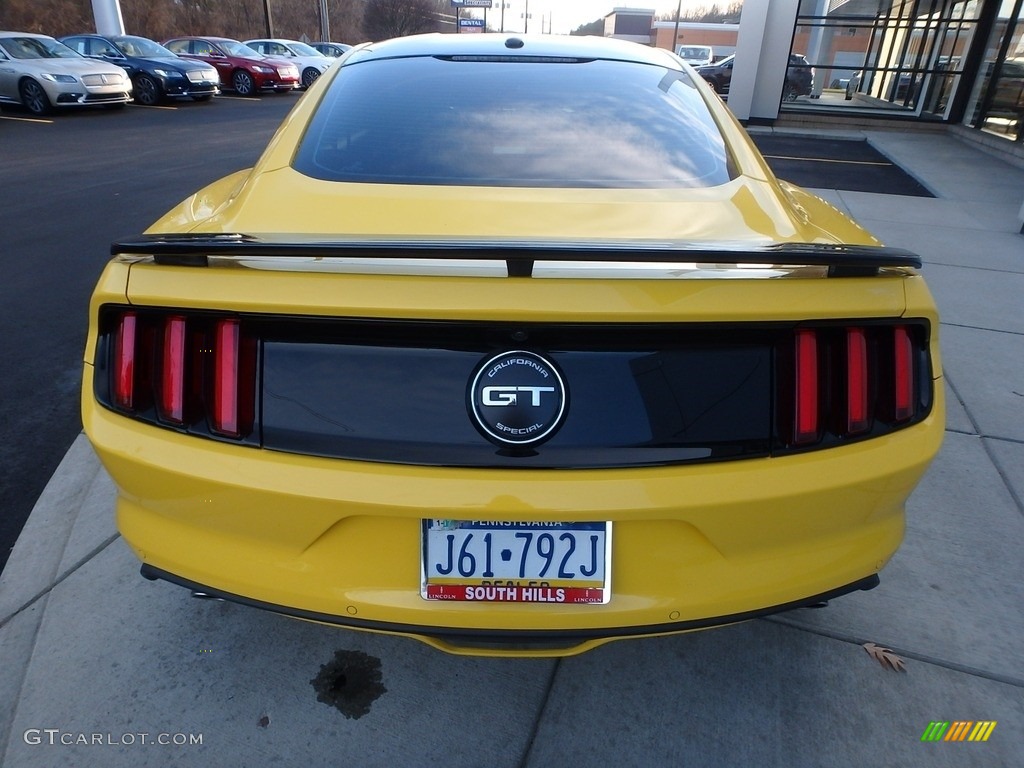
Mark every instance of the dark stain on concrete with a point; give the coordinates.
(350, 682)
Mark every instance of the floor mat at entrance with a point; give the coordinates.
(836, 164)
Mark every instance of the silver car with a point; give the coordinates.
(41, 74)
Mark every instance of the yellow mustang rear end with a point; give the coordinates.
(515, 346)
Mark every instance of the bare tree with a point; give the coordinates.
(398, 18)
(708, 14)
(48, 17)
(149, 18)
(301, 20)
(347, 20)
(593, 28)
(161, 19)
(193, 17)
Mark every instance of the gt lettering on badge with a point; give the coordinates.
(510, 395)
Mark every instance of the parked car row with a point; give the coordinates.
(157, 74)
(42, 73)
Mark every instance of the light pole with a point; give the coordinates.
(675, 35)
(269, 18)
(325, 22)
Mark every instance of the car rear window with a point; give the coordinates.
(514, 122)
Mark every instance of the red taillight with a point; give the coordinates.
(857, 415)
(903, 370)
(190, 371)
(806, 423)
(224, 418)
(124, 362)
(843, 382)
(172, 390)
(234, 378)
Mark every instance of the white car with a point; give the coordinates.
(310, 62)
(696, 55)
(41, 74)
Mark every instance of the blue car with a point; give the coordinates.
(157, 73)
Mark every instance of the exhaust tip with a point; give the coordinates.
(205, 596)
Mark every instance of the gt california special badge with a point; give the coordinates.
(517, 398)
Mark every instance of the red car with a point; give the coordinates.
(242, 69)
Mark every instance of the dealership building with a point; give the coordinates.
(932, 63)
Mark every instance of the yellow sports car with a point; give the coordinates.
(513, 345)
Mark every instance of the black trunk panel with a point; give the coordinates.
(397, 392)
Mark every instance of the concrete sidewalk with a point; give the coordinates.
(98, 667)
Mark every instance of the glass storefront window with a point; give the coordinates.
(998, 101)
(884, 56)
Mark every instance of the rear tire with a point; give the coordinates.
(34, 98)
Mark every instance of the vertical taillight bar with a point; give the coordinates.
(224, 418)
(857, 416)
(172, 390)
(124, 361)
(806, 421)
(234, 380)
(903, 373)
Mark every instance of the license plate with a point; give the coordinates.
(509, 562)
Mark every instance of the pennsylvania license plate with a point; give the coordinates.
(508, 562)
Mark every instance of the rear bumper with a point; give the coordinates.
(339, 541)
(481, 640)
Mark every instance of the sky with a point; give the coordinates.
(566, 15)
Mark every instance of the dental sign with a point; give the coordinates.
(517, 398)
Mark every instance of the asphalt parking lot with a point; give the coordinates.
(72, 184)
(89, 648)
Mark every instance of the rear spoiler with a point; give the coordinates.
(194, 250)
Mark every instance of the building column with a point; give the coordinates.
(107, 15)
(820, 40)
(762, 56)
